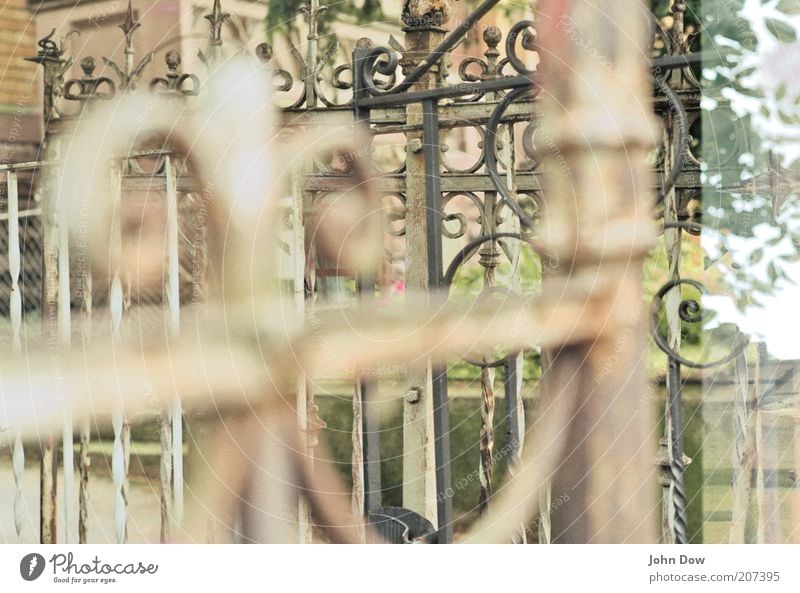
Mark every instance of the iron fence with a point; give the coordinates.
(401, 95)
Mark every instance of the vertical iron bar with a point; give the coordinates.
(441, 421)
(48, 530)
(174, 303)
(488, 259)
(172, 314)
(672, 244)
(312, 11)
(512, 404)
(365, 287)
(486, 442)
(119, 455)
(177, 458)
(369, 416)
(165, 473)
(514, 363)
(65, 340)
(49, 57)
(545, 525)
(14, 261)
(48, 479)
(677, 465)
(357, 458)
(304, 396)
(84, 461)
(15, 305)
(433, 190)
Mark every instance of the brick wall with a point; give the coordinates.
(20, 86)
(17, 41)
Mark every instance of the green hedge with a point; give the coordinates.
(465, 422)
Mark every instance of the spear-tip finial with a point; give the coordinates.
(128, 26)
(217, 18)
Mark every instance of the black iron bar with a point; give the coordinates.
(456, 90)
(441, 421)
(683, 60)
(365, 287)
(677, 466)
(509, 82)
(370, 418)
(512, 408)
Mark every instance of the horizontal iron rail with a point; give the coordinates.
(22, 214)
(456, 90)
(397, 97)
(460, 181)
(691, 59)
(28, 165)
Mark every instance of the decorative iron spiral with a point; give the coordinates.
(465, 254)
(525, 28)
(380, 60)
(682, 147)
(490, 157)
(679, 500)
(689, 311)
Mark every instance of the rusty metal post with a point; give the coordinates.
(49, 461)
(84, 295)
(50, 58)
(596, 108)
(423, 32)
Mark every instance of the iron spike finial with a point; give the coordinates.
(130, 71)
(313, 11)
(128, 26)
(312, 63)
(217, 18)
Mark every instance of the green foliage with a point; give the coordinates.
(465, 420)
(465, 428)
(748, 139)
(283, 16)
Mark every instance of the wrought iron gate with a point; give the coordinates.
(402, 90)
